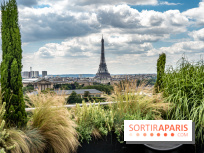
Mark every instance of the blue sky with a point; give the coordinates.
(181, 5)
(64, 36)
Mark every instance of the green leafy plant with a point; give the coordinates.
(105, 88)
(74, 98)
(28, 88)
(92, 120)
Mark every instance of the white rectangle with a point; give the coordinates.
(158, 130)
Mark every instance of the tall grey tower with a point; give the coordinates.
(102, 71)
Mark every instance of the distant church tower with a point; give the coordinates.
(102, 73)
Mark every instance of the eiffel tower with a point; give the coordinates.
(102, 73)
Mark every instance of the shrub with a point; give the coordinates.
(105, 88)
(28, 88)
(74, 98)
(86, 96)
(98, 99)
(92, 120)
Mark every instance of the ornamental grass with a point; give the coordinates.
(54, 123)
(136, 103)
(184, 88)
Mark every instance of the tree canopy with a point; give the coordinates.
(74, 98)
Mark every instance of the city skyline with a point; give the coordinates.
(64, 37)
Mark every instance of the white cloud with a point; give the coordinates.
(196, 14)
(176, 18)
(198, 35)
(167, 3)
(128, 33)
(114, 2)
(186, 46)
(48, 23)
(89, 46)
(122, 52)
(55, 23)
(122, 16)
(75, 27)
(70, 48)
(190, 47)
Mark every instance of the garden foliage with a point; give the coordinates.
(93, 121)
(99, 121)
(49, 129)
(105, 88)
(74, 98)
(184, 87)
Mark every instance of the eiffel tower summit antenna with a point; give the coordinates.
(103, 70)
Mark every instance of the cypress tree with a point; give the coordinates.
(160, 72)
(11, 80)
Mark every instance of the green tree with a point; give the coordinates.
(28, 88)
(160, 72)
(72, 86)
(74, 98)
(87, 95)
(105, 88)
(11, 80)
